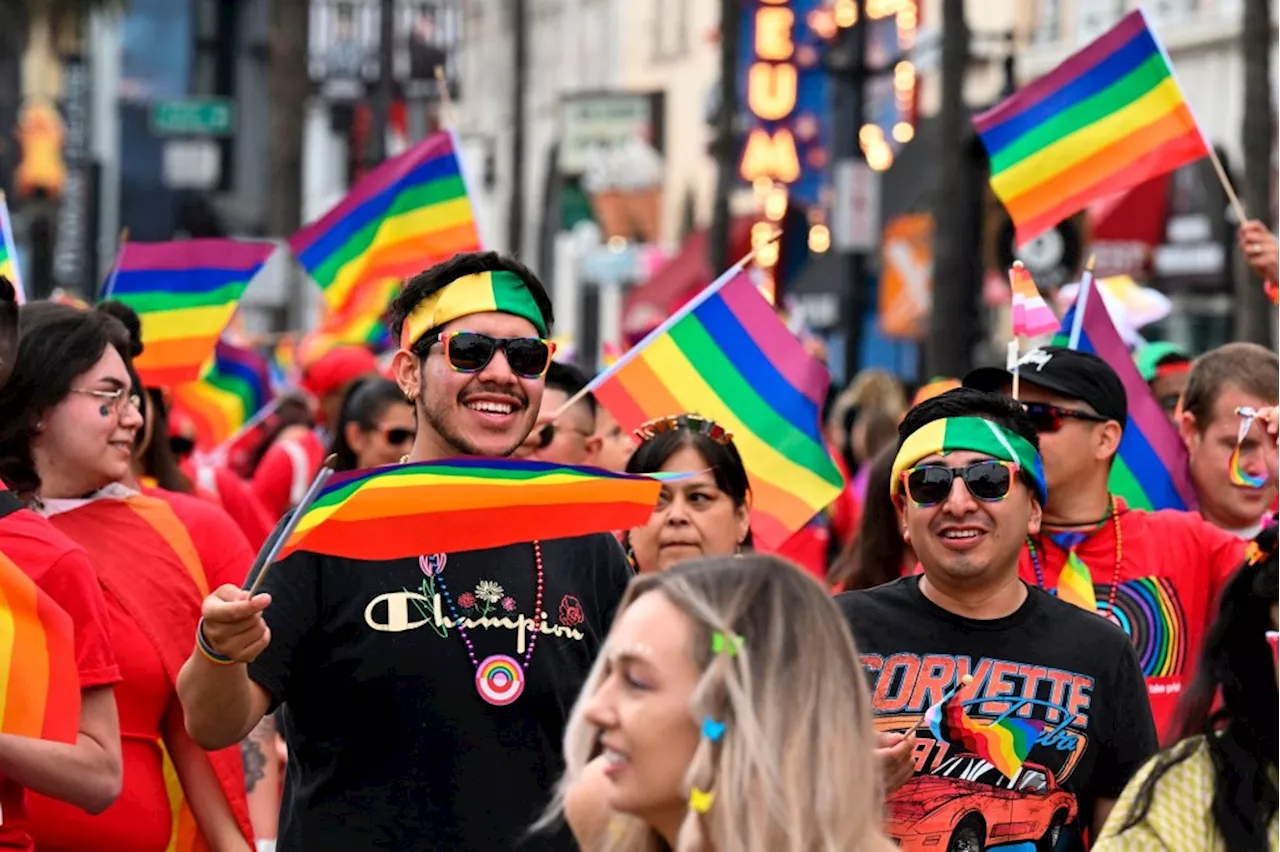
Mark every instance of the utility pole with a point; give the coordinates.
(380, 107)
(1252, 312)
(726, 167)
(848, 66)
(519, 71)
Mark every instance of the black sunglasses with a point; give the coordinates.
(987, 480)
(398, 435)
(180, 445)
(470, 352)
(547, 434)
(1051, 418)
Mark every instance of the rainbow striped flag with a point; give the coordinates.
(466, 504)
(1032, 315)
(9, 252)
(185, 293)
(728, 356)
(39, 681)
(237, 384)
(1005, 743)
(361, 322)
(1108, 118)
(1150, 470)
(406, 215)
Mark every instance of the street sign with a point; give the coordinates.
(855, 216)
(192, 163)
(196, 117)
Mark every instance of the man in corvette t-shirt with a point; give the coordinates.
(1155, 574)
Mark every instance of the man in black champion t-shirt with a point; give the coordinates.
(423, 702)
(1025, 715)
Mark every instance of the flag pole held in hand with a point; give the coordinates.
(322, 476)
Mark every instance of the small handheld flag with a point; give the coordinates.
(1032, 315)
(1005, 743)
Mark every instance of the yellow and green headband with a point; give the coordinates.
(976, 434)
(477, 293)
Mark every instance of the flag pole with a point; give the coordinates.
(322, 476)
(1015, 345)
(447, 115)
(628, 356)
(964, 681)
(110, 284)
(1236, 206)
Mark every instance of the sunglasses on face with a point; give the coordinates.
(471, 352)
(988, 480)
(1051, 418)
(397, 435)
(547, 434)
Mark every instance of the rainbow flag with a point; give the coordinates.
(1108, 118)
(361, 322)
(1005, 743)
(466, 504)
(236, 385)
(406, 215)
(728, 356)
(39, 681)
(1032, 315)
(1150, 470)
(185, 293)
(9, 252)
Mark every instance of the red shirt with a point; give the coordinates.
(1172, 567)
(224, 551)
(285, 472)
(62, 569)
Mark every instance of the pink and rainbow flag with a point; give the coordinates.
(1108, 118)
(726, 355)
(1150, 469)
(1032, 315)
(1005, 743)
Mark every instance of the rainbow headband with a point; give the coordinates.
(477, 293)
(976, 434)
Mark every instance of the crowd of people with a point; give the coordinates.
(977, 646)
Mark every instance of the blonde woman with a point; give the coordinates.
(727, 705)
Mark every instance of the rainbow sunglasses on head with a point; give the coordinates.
(988, 480)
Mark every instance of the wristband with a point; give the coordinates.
(202, 642)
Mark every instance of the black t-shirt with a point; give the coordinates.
(390, 744)
(1071, 675)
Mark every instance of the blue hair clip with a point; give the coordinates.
(712, 730)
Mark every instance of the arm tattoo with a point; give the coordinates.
(255, 760)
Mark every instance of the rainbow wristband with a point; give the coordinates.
(202, 642)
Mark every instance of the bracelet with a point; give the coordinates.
(202, 642)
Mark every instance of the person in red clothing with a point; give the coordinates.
(1156, 574)
(87, 773)
(69, 437)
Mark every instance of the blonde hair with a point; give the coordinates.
(795, 769)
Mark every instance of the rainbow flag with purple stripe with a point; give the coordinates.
(1005, 743)
(1150, 470)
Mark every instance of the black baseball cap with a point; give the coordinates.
(1076, 375)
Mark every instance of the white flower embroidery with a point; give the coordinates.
(487, 590)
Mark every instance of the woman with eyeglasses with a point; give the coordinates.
(1216, 788)
(375, 425)
(72, 418)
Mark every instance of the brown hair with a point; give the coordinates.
(1250, 367)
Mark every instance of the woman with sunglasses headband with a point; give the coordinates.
(65, 448)
(375, 425)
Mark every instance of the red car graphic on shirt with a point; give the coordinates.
(967, 805)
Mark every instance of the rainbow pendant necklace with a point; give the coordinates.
(500, 679)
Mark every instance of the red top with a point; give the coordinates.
(1173, 565)
(225, 489)
(150, 566)
(61, 568)
(285, 472)
(224, 550)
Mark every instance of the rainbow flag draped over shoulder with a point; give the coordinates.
(1150, 470)
(466, 504)
(185, 293)
(406, 215)
(726, 355)
(235, 386)
(9, 251)
(1108, 118)
(1005, 743)
(39, 681)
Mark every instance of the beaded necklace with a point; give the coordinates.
(1115, 573)
(499, 678)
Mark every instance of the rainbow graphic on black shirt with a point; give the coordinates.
(1005, 743)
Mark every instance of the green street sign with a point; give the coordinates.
(196, 117)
